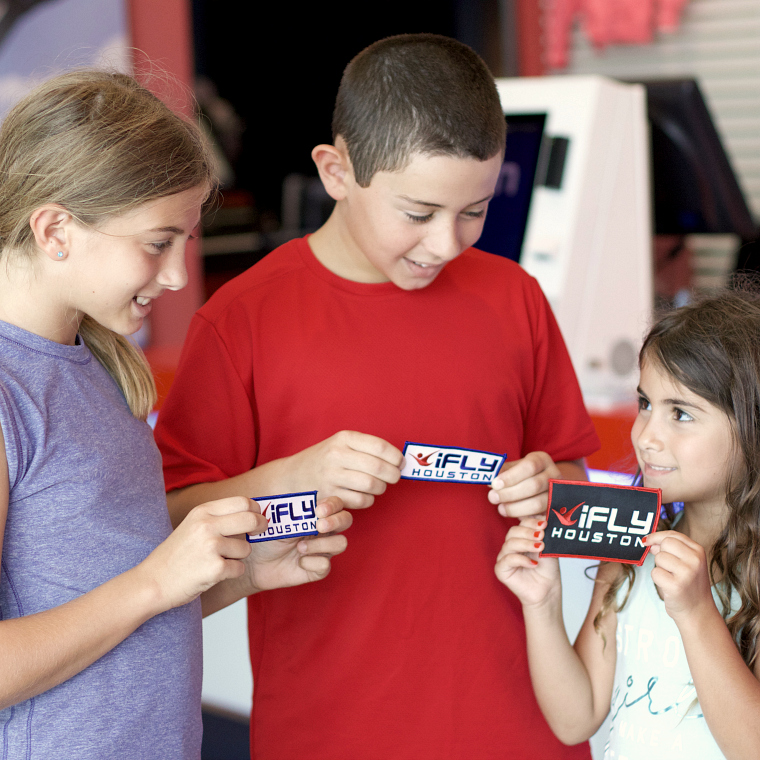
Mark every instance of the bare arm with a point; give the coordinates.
(573, 685)
(356, 467)
(286, 562)
(42, 650)
(728, 691)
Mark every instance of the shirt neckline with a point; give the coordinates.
(382, 289)
(78, 353)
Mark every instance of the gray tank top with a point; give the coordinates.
(87, 503)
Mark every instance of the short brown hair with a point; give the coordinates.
(416, 93)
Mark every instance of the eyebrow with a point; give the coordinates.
(671, 401)
(438, 205)
(173, 230)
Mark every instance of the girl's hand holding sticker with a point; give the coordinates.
(293, 561)
(207, 547)
(530, 578)
(680, 574)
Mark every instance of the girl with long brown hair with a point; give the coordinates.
(669, 650)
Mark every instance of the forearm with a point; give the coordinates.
(227, 592)
(728, 691)
(39, 651)
(560, 680)
(267, 479)
(572, 470)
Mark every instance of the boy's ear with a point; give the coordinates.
(49, 226)
(334, 168)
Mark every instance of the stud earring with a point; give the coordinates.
(60, 254)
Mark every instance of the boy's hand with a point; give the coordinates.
(522, 486)
(353, 466)
(291, 562)
(680, 573)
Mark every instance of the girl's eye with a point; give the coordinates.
(681, 416)
(418, 219)
(644, 404)
(475, 214)
(161, 245)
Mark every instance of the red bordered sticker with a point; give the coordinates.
(605, 522)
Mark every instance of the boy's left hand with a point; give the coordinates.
(521, 487)
(680, 573)
(291, 562)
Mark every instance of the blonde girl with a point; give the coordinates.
(669, 650)
(101, 186)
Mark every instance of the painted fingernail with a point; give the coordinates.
(535, 562)
(537, 534)
(537, 545)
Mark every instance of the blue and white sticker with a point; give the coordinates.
(290, 515)
(450, 464)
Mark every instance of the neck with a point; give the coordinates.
(703, 523)
(336, 250)
(30, 300)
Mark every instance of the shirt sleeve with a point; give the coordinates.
(207, 427)
(10, 428)
(557, 421)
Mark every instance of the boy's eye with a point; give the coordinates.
(418, 219)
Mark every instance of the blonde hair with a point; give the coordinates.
(98, 144)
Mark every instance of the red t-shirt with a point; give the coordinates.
(410, 648)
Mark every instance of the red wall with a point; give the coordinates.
(161, 33)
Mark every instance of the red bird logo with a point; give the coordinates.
(424, 460)
(564, 515)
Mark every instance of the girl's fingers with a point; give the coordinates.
(230, 505)
(512, 560)
(520, 546)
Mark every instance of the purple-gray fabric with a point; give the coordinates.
(87, 503)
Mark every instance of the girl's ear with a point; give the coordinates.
(334, 167)
(49, 225)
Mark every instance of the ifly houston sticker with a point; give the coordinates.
(289, 515)
(450, 464)
(600, 521)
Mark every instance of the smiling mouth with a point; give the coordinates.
(658, 468)
(423, 265)
(142, 300)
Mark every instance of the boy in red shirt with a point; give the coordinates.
(310, 370)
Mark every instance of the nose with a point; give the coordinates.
(646, 433)
(443, 241)
(173, 274)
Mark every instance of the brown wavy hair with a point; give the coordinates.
(98, 144)
(713, 348)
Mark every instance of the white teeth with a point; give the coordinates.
(142, 300)
(420, 264)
